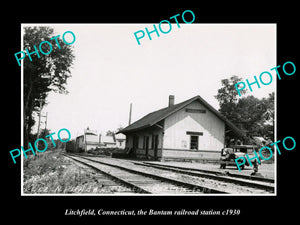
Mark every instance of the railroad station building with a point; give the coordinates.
(192, 129)
(113, 141)
(89, 140)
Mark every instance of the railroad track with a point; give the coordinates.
(243, 180)
(106, 184)
(142, 182)
(246, 177)
(182, 180)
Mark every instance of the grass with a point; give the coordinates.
(52, 173)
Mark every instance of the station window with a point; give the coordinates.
(194, 142)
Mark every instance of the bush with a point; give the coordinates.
(42, 163)
(103, 151)
(51, 172)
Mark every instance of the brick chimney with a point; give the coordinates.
(171, 100)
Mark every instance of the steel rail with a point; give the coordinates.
(263, 179)
(210, 174)
(193, 187)
(134, 187)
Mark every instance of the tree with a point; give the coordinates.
(228, 96)
(250, 114)
(228, 93)
(119, 128)
(249, 111)
(45, 132)
(268, 116)
(257, 116)
(45, 74)
(110, 133)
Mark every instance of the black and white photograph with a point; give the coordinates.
(164, 117)
(150, 114)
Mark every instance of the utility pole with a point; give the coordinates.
(39, 123)
(46, 120)
(40, 114)
(130, 111)
(45, 123)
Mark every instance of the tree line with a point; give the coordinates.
(43, 75)
(252, 115)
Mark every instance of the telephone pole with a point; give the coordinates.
(46, 120)
(40, 114)
(130, 110)
(39, 123)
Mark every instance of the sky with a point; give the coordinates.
(111, 70)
